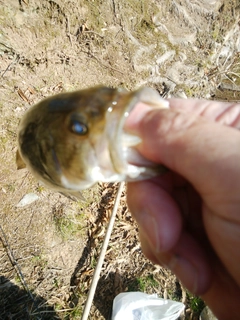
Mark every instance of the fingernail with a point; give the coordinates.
(186, 272)
(149, 227)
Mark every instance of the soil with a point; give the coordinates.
(49, 248)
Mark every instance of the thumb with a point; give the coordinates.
(206, 153)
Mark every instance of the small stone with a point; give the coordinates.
(27, 199)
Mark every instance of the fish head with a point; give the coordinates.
(72, 140)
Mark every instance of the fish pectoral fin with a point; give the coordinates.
(74, 195)
(19, 161)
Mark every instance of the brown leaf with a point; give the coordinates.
(22, 95)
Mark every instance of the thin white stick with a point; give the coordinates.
(97, 271)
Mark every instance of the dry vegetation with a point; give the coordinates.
(49, 249)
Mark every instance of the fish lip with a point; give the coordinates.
(118, 152)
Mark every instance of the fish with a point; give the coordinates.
(72, 140)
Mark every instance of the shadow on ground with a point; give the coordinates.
(17, 303)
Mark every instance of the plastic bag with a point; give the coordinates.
(141, 306)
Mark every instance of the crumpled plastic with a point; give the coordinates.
(142, 306)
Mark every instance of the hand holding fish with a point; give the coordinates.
(189, 218)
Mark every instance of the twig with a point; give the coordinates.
(68, 33)
(114, 8)
(14, 262)
(16, 59)
(6, 46)
(103, 64)
(102, 255)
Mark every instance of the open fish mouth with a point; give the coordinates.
(125, 158)
(73, 140)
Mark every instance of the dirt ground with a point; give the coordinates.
(49, 248)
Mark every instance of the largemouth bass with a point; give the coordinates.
(72, 140)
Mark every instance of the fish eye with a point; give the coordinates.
(78, 127)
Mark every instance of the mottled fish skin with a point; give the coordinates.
(64, 139)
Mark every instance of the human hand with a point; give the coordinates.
(189, 218)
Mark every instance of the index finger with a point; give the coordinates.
(226, 113)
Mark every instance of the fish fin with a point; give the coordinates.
(74, 195)
(19, 161)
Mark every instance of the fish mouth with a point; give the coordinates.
(125, 158)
